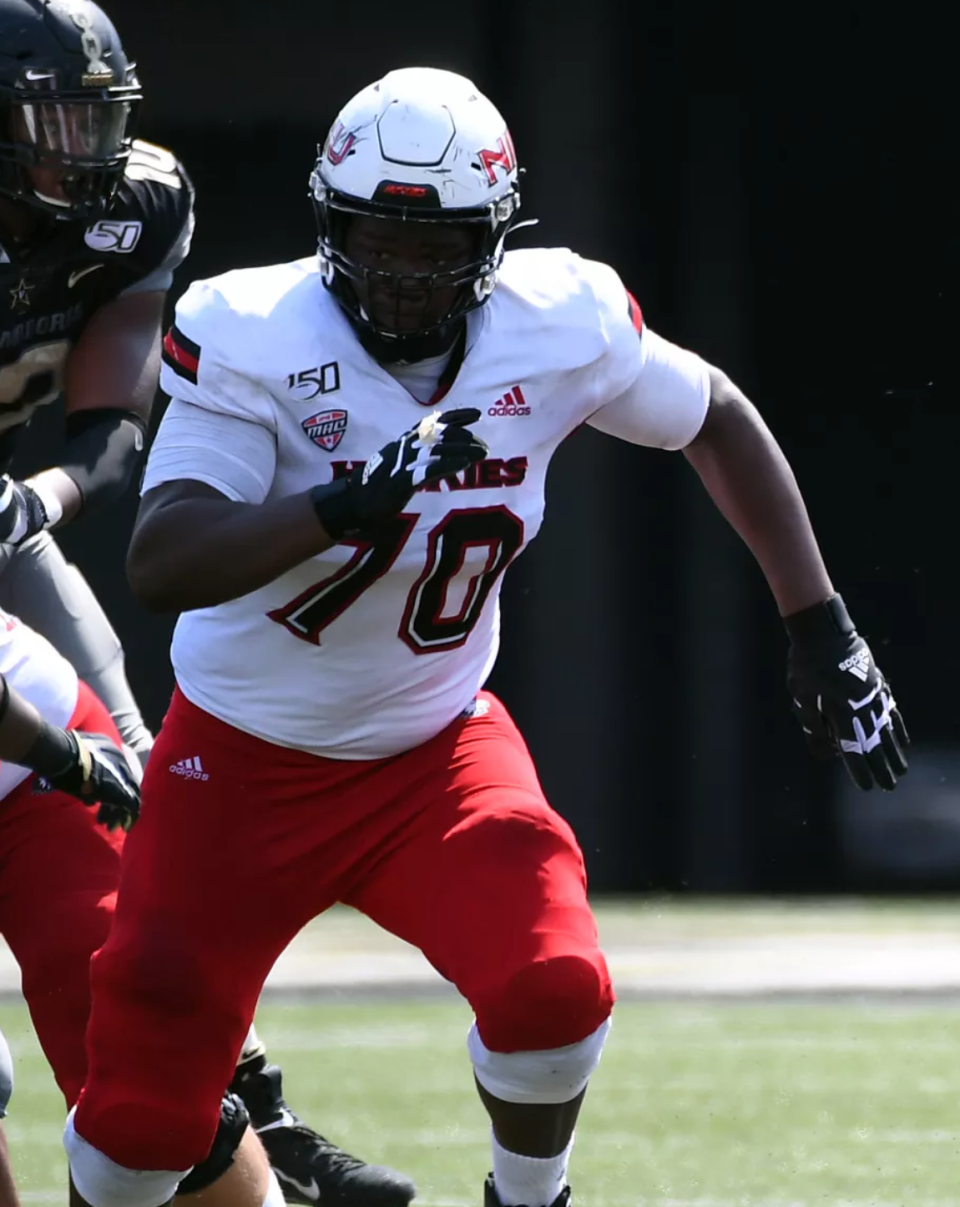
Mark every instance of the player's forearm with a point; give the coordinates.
(752, 484)
(27, 739)
(20, 724)
(198, 552)
(100, 457)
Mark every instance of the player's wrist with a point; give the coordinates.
(54, 753)
(45, 490)
(334, 508)
(820, 624)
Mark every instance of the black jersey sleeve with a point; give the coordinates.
(147, 234)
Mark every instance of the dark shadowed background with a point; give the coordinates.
(779, 196)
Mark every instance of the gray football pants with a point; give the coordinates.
(39, 585)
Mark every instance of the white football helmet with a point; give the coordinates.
(421, 145)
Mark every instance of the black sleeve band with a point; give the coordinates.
(4, 696)
(334, 509)
(52, 754)
(102, 452)
(823, 622)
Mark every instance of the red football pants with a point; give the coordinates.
(59, 872)
(451, 846)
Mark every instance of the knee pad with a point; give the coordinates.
(6, 1076)
(234, 1121)
(544, 1077)
(546, 1004)
(104, 1183)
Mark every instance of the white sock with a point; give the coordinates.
(252, 1046)
(274, 1196)
(528, 1181)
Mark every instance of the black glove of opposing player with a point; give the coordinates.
(438, 446)
(100, 774)
(841, 698)
(22, 514)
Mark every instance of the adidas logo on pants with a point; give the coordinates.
(190, 769)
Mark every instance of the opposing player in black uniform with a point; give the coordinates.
(90, 232)
(92, 226)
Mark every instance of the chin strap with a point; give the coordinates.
(391, 349)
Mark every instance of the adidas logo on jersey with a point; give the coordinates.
(512, 403)
(857, 664)
(190, 769)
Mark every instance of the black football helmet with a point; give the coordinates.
(68, 102)
(419, 146)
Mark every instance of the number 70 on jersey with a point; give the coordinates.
(466, 552)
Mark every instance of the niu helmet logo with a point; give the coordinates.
(504, 156)
(512, 403)
(339, 144)
(326, 428)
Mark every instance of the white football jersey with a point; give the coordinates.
(370, 649)
(31, 666)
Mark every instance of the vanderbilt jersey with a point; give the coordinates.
(51, 290)
(31, 666)
(373, 647)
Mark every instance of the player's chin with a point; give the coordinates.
(410, 314)
(402, 322)
(50, 186)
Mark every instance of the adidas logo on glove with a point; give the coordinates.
(857, 664)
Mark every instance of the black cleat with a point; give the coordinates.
(492, 1199)
(310, 1169)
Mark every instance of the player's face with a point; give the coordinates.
(81, 132)
(410, 255)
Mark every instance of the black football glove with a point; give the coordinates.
(22, 514)
(440, 445)
(841, 698)
(99, 774)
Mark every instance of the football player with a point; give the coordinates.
(355, 452)
(59, 870)
(59, 861)
(92, 226)
(55, 947)
(8, 1185)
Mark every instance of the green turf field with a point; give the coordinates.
(706, 1104)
